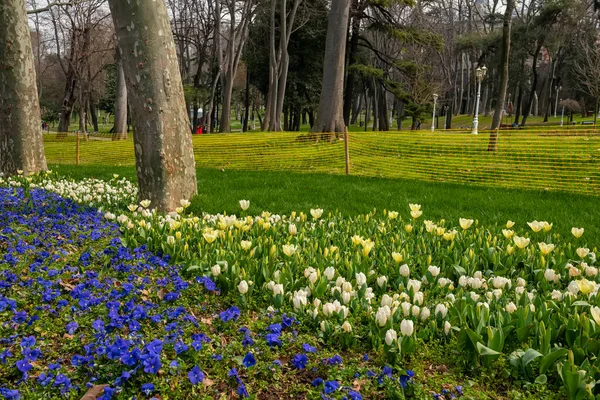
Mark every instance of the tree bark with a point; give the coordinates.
(534, 83)
(165, 165)
(21, 141)
(349, 94)
(505, 57)
(331, 105)
(120, 128)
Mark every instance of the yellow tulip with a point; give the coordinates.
(582, 252)
(595, 311)
(509, 224)
(367, 246)
(521, 242)
(508, 233)
(465, 223)
(408, 228)
(577, 232)
(289, 249)
(536, 226)
(397, 257)
(210, 236)
(416, 213)
(545, 248)
(585, 286)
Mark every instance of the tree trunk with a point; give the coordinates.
(510, 5)
(246, 103)
(21, 141)
(165, 165)
(533, 85)
(349, 93)
(120, 128)
(66, 109)
(93, 116)
(330, 118)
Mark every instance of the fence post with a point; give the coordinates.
(77, 148)
(347, 152)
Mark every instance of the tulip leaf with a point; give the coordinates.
(549, 359)
(530, 355)
(486, 351)
(581, 303)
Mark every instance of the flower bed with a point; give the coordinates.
(82, 313)
(512, 298)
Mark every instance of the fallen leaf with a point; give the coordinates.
(94, 392)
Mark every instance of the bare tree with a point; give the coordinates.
(21, 142)
(505, 57)
(587, 70)
(163, 143)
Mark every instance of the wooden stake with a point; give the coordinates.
(77, 148)
(347, 151)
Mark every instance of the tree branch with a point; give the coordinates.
(55, 4)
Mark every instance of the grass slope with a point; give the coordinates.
(283, 192)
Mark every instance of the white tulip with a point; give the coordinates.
(390, 337)
(316, 213)
(361, 279)
(386, 300)
(406, 306)
(414, 284)
(404, 270)
(557, 295)
(511, 307)
(415, 311)
(312, 278)
(407, 327)
(465, 223)
(462, 281)
(441, 310)
(292, 229)
(425, 313)
(243, 287)
(573, 288)
(216, 270)
(550, 275)
(347, 327)
(382, 315)
(244, 204)
(381, 281)
(329, 273)
(418, 298)
(447, 328)
(433, 270)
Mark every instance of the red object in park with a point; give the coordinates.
(199, 130)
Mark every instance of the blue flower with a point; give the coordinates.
(242, 391)
(232, 313)
(72, 327)
(148, 388)
(459, 390)
(195, 375)
(62, 380)
(249, 360)
(28, 341)
(405, 379)
(273, 339)
(152, 364)
(23, 366)
(317, 382)
(331, 386)
(353, 395)
(299, 361)
(308, 348)
(365, 357)
(181, 347)
(10, 394)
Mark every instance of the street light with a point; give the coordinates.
(558, 89)
(479, 74)
(435, 97)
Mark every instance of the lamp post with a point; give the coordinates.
(479, 74)
(562, 116)
(435, 97)
(558, 89)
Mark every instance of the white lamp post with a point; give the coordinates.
(479, 74)
(435, 97)
(558, 89)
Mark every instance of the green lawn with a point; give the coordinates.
(283, 192)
